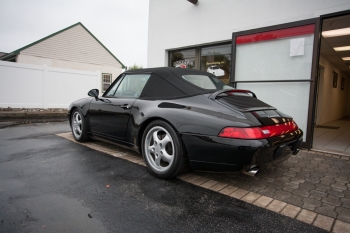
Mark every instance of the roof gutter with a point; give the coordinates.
(8, 56)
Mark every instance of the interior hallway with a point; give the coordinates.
(333, 136)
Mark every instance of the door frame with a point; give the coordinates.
(322, 17)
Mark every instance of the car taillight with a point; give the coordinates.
(259, 132)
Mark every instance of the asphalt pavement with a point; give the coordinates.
(50, 184)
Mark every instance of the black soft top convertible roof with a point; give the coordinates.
(167, 83)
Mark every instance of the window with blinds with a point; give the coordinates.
(106, 81)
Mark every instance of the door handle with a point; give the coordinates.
(125, 106)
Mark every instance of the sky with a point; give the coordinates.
(120, 25)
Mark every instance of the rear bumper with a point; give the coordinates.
(213, 153)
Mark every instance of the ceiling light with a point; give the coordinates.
(337, 32)
(346, 58)
(344, 48)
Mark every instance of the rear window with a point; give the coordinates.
(206, 82)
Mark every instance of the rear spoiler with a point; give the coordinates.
(215, 94)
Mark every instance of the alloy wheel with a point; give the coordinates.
(159, 149)
(77, 124)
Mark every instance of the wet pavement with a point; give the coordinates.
(50, 184)
(257, 190)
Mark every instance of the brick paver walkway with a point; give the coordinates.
(313, 181)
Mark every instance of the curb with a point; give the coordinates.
(11, 116)
(12, 122)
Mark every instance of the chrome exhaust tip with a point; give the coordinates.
(252, 170)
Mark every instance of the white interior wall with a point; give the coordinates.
(31, 86)
(319, 105)
(178, 23)
(334, 101)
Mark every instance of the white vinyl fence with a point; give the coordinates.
(32, 86)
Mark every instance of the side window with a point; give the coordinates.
(114, 88)
(132, 85)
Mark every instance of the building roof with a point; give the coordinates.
(2, 54)
(16, 52)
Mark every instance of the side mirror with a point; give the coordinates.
(94, 93)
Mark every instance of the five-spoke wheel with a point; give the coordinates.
(162, 150)
(78, 126)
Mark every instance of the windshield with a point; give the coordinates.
(206, 82)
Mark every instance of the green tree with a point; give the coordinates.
(135, 67)
(176, 56)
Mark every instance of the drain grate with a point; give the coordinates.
(326, 127)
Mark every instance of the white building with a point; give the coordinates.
(287, 52)
(74, 47)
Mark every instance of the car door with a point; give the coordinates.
(110, 114)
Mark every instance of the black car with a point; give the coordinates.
(184, 118)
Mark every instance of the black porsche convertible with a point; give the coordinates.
(183, 118)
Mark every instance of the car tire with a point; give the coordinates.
(78, 126)
(163, 151)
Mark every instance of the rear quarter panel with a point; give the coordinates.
(194, 115)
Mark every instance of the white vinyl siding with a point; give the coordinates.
(74, 44)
